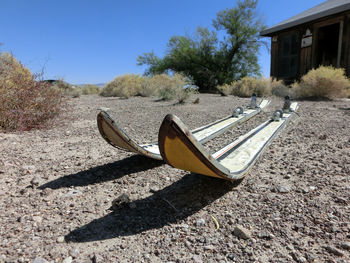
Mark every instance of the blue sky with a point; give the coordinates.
(85, 41)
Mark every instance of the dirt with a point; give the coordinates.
(58, 185)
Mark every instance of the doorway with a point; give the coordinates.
(329, 45)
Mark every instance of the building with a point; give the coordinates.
(317, 36)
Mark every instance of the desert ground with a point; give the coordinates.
(57, 187)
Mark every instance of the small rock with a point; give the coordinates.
(40, 260)
(312, 188)
(197, 259)
(345, 245)
(209, 247)
(334, 251)
(241, 232)
(67, 260)
(60, 239)
(74, 252)
(132, 205)
(35, 181)
(266, 235)
(153, 189)
(283, 189)
(72, 192)
(38, 219)
(67, 133)
(200, 222)
(120, 201)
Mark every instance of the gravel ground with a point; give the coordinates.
(57, 187)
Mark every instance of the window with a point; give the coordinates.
(288, 56)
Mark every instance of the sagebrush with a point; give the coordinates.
(325, 82)
(123, 86)
(25, 103)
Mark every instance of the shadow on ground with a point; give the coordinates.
(175, 202)
(104, 173)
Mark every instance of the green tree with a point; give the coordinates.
(208, 60)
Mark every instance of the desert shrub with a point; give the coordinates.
(90, 89)
(246, 86)
(67, 89)
(123, 86)
(24, 102)
(225, 89)
(325, 82)
(176, 87)
(149, 86)
(279, 89)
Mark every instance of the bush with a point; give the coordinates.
(279, 89)
(174, 87)
(226, 89)
(24, 102)
(67, 89)
(124, 86)
(90, 89)
(324, 82)
(246, 86)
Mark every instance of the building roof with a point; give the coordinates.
(327, 8)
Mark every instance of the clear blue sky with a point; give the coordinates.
(85, 41)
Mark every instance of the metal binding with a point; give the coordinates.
(237, 112)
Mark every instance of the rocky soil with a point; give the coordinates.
(57, 188)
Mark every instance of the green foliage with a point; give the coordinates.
(209, 61)
(324, 82)
(123, 86)
(90, 89)
(24, 102)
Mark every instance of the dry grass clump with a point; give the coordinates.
(325, 82)
(123, 86)
(24, 102)
(67, 89)
(226, 89)
(246, 86)
(90, 89)
(163, 86)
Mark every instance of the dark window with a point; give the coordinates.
(288, 57)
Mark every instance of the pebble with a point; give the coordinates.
(334, 251)
(283, 189)
(197, 259)
(72, 192)
(345, 245)
(40, 260)
(60, 239)
(35, 181)
(266, 235)
(120, 201)
(241, 232)
(200, 222)
(67, 260)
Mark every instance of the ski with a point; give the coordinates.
(115, 136)
(180, 148)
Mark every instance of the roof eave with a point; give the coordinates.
(272, 30)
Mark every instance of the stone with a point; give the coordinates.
(60, 239)
(197, 259)
(120, 201)
(334, 251)
(67, 260)
(265, 235)
(35, 181)
(72, 192)
(241, 232)
(74, 253)
(283, 189)
(345, 245)
(200, 222)
(40, 260)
